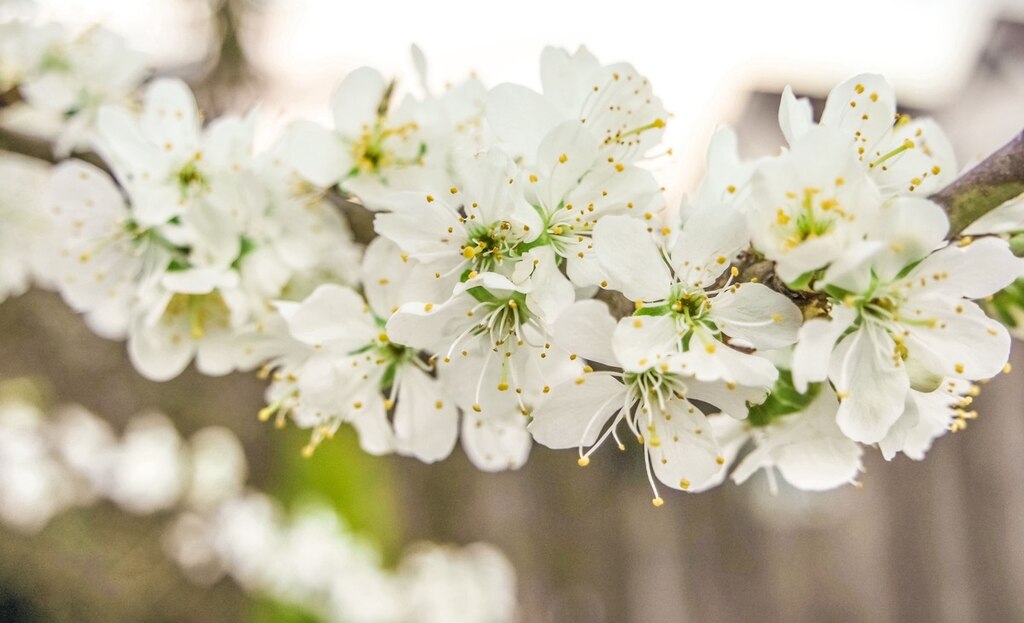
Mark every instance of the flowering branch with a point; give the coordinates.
(816, 299)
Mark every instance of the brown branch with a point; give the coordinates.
(995, 180)
(41, 148)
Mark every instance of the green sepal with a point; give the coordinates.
(783, 400)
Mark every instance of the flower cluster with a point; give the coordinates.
(63, 77)
(793, 310)
(216, 526)
(184, 253)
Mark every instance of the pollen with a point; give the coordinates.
(638, 323)
(439, 404)
(657, 502)
(684, 484)
(720, 460)
(583, 461)
(453, 190)
(959, 368)
(428, 307)
(430, 198)
(563, 158)
(533, 178)
(710, 348)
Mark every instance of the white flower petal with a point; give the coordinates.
(427, 325)
(631, 259)
(871, 382)
(356, 101)
(426, 426)
(708, 359)
(565, 154)
(170, 117)
(923, 169)
(955, 338)
(815, 342)
(730, 399)
(586, 329)
(712, 238)
(974, 271)
(333, 315)
(757, 315)
(864, 107)
(520, 117)
(577, 412)
(683, 450)
(159, 352)
(315, 153)
(795, 115)
(496, 444)
(640, 342)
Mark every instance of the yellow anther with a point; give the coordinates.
(583, 461)
(658, 502)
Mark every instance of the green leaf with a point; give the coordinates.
(783, 400)
(657, 310)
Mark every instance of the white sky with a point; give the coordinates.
(700, 56)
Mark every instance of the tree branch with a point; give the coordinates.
(995, 180)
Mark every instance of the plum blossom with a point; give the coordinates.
(679, 284)
(651, 395)
(908, 322)
(381, 143)
(614, 103)
(902, 156)
(341, 366)
(806, 448)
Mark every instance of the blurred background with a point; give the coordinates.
(941, 540)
